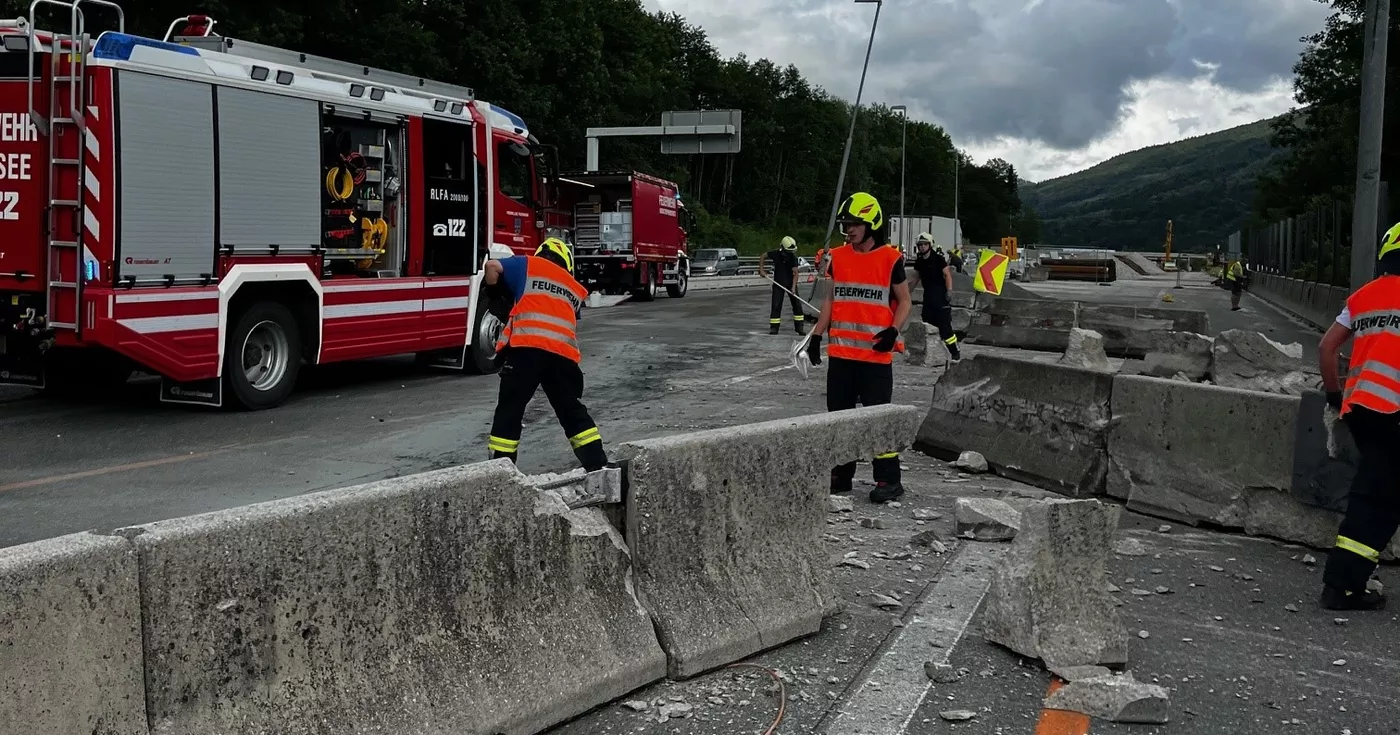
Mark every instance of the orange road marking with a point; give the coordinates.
(38, 481)
(1060, 722)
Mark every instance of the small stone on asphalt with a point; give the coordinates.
(1144, 634)
(1164, 590)
(1290, 607)
(1309, 559)
(857, 563)
(637, 705)
(957, 715)
(1340, 662)
(1164, 528)
(1217, 569)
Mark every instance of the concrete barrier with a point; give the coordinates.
(456, 601)
(1131, 331)
(1188, 451)
(1316, 303)
(1032, 324)
(726, 525)
(1039, 423)
(70, 638)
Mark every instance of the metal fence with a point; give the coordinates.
(1314, 246)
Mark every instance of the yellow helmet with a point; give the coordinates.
(1390, 242)
(789, 243)
(555, 246)
(861, 207)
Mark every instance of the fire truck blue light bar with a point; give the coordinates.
(119, 46)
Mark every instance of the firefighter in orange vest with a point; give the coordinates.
(539, 346)
(1370, 404)
(869, 299)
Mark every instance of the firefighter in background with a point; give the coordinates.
(956, 259)
(539, 349)
(869, 296)
(1235, 278)
(784, 260)
(1370, 405)
(936, 274)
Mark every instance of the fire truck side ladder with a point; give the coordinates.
(65, 126)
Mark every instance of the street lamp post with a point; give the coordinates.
(903, 165)
(850, 136)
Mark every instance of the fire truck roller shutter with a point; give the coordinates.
(269, 170)
(166, 173)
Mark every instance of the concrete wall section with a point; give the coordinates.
(726, 526)
(1040, 423)
(455, 601)
(1031, 324)
(1189, 451)
(1131, 331)
(1316, 303)
(70, 638)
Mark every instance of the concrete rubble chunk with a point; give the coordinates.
(972, 462)
(390, 607)
(1129, 547)
(1250, 361)
(1039, 423)
(1076, 673)
(943, 673)
(739, 514)
(923, 345)
(1085, 351)
(1178, 355)
(840, 504)
(986, 519)
(1048, 597)
(957, 715)
(70, 637)
(1113, 698)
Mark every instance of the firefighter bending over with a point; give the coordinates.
(1370, 405)
(784, 263)
(869, 296)
(539, 348)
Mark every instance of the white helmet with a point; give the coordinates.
(789, 243)
(924, 237)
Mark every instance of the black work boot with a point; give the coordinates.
(773, 328)
(884, 492)
(840, 485)
(1338, 599)
(799, 328)
(954, 353)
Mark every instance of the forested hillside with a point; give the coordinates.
(1205, 185)
(565, 65)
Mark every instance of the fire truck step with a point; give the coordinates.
(63, 244)
(66, 162)
(63, 202)
(62, 284)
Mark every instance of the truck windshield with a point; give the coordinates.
(707, 255)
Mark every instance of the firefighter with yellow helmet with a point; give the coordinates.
(1369, 402)
(784, 263)
(539, 349)
(869, 300)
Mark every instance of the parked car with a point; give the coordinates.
(715, 262)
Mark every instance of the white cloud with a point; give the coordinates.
(1051, 85)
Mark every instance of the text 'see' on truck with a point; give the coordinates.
(221, 213)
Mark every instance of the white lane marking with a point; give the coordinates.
(890, 695)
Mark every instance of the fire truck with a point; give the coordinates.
(627, 229)
(221, 212)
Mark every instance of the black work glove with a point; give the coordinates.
(885, 339)
(814, 349)
(1334, 399)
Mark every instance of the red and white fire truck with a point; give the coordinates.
(221, 212)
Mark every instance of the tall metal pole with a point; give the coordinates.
(850, 136)
(1365, 216)
(903, 165)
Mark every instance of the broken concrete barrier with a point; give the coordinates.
(923, 345)
(1132, 331)
(986, 519)
(1114, 698)
(1187, 451)
(726, 525)
(1178, 353)
(460, 600)
(1048, 596)
(1250, 361)
(70, 638)
(1085, 350)
(1032, 324)
(1038, 423)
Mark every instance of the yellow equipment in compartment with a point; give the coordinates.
(374, 235)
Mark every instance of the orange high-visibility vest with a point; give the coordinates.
(861, 303)
(544, 318)
(1374, 381)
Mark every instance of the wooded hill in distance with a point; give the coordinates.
(1205, 185)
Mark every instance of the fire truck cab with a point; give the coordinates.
(221, 212)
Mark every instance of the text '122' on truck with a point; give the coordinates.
(221, 213)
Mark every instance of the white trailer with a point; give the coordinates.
(946, 231)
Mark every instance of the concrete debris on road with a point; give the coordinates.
(986, 519)
(637, 705)
(872, 523)
(957, 715)
(1048, 596)
(943, 673)
(1075, 673)
(840, 504)
(1129, 547)
(1251, 361)
(885, 601)
(1179, 355)
(1164, 528)
(923, 514)
(929, 539)
(1144, 634)
(857, 563)
(972, 462)
(673, 711)
(1085, 351)
(1114, 698)
(923, 345)
(1309, 559)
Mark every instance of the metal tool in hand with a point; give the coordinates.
(790, 293)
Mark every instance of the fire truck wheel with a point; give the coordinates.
(262, 356)
(647, 291)
(481, 354)
(682, 285)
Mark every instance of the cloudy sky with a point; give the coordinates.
(1053, 86)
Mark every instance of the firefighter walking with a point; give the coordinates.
(539, 347)
(1369, 402)
(1234, 278)
(869, 296)
(936, 274)
(784, 262)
